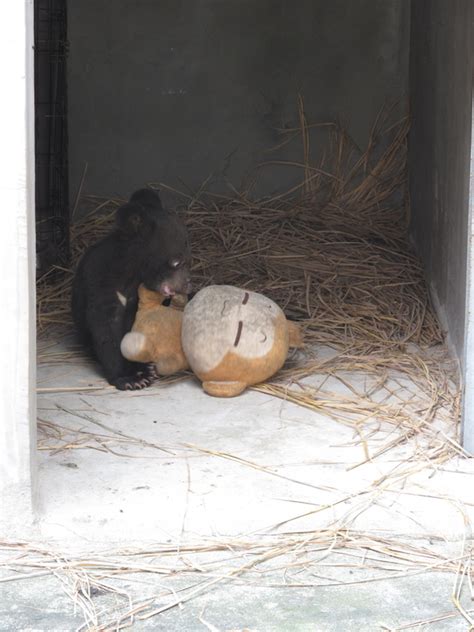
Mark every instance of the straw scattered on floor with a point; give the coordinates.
(333, 251)
(316, 559)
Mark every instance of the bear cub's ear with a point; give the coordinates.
(134, 221)
(148, 198)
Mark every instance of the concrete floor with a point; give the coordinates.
(43, 606)
(179, 491)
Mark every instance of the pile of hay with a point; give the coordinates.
(334, 253)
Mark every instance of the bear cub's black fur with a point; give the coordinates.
(147, 245)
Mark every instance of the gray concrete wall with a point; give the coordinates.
(175, 90)
(441, 96)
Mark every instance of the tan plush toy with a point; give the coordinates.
(235, 338)
(156, 333)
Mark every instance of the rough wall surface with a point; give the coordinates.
(441, 96)
(176, 90)
(18, 471)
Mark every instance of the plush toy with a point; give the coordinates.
(156, 333)
(235, 338)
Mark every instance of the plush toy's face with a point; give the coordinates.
(222, 319)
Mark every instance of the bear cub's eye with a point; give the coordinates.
(175, 263)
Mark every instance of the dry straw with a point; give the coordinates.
(333, 251)
(330, 557)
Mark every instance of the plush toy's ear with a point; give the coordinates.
(150, 298)
(295, 335)
(135, 221)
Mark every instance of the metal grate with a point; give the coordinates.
(51, 151)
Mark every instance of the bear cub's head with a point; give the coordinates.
(159, 242)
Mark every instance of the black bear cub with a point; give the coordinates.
(147, 245)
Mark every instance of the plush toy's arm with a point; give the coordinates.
(134, 347)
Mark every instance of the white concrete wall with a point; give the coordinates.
(468, 360)
(17, 265)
